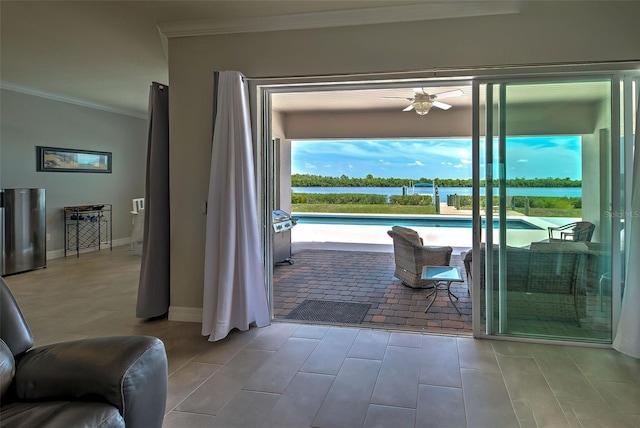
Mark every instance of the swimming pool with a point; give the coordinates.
(415, 221)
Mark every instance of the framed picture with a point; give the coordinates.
(55, 159)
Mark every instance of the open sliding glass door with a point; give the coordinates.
(546, 281)
(265, 155)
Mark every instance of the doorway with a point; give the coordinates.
(369, 276)
(521, 108)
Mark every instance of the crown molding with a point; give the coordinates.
(165, 43)
(55, 97)
(431, 10)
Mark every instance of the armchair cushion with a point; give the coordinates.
(54, 414)
(129, 372)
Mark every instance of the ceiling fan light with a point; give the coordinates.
(422, 107)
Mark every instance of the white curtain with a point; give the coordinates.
(234, 288)
(627, 338)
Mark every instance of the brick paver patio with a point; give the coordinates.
(357, 276)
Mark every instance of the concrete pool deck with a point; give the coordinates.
(375, 238)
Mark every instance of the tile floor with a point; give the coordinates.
(293, 375)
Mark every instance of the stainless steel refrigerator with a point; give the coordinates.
(23, 230)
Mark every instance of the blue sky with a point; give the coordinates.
(528, 157)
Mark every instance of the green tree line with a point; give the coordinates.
(359, 199)
(310, 180)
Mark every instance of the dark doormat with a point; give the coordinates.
(329, 311)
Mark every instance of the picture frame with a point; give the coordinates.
(56, 159)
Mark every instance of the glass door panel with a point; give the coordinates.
(548, 167)
(629, 103)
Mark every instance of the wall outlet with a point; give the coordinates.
(48, 237)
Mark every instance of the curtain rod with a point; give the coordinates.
(434, 71)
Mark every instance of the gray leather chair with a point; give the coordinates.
(103, 382)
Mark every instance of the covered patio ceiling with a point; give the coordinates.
(379, 97)
(375, 110)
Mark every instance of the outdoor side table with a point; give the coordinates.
(443, 276)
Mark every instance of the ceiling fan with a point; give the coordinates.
(422, 101)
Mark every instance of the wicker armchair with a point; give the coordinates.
(411, 255)
(549, 279)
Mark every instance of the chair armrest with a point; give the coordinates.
(467, 261)
(434, 256)
(550, 230)
(129, 372)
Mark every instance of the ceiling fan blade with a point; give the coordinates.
(443, 106)
(408, 108)
(449, 94)
(397, 98)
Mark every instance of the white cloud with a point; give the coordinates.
(350, 166)
(309, 165)
(465, 161)
(416, 163)
(446, 163)
(459, 166)
(384, 162)
(522, 161)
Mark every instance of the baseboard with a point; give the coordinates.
(56, 254)
(185, 314)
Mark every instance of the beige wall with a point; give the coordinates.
(28, 121)
(543, 32)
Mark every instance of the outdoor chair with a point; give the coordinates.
(411, 256)
(580, 231)
(548, 279)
